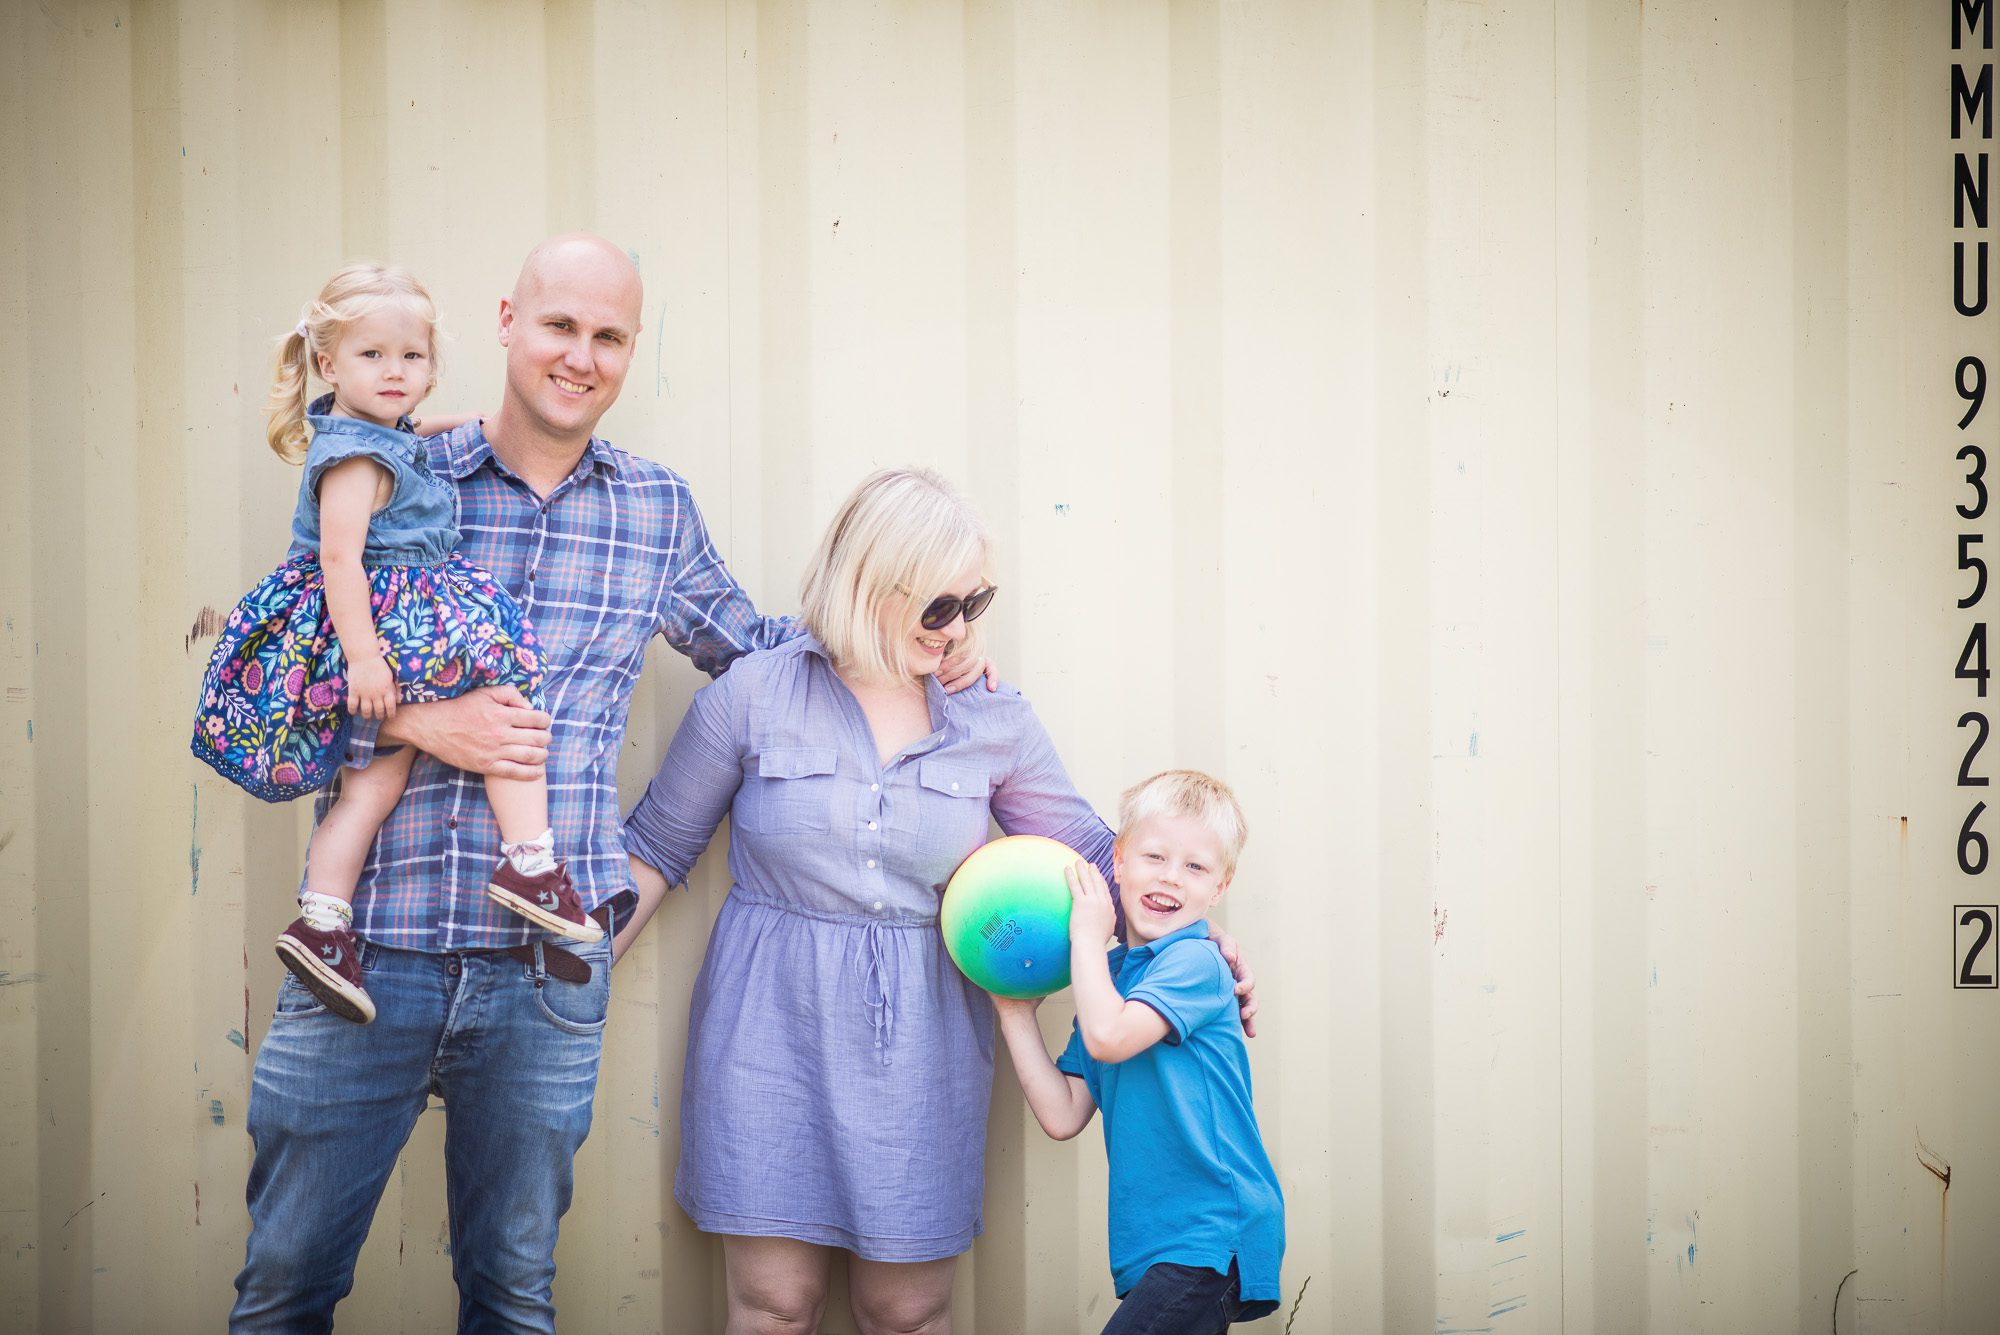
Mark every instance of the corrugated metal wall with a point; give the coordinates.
(1513, 443)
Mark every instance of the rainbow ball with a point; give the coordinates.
(1006, 916)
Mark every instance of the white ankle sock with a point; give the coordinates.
(535, 856)
(324, 912)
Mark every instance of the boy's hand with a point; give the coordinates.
(1006, 1006)
(1092, 917)
(961, 670)
(1246, 981)
(371, 689)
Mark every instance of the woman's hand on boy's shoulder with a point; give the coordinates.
(1246, 981)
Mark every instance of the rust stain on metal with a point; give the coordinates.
(207, 625)
(1439, 917)
(1940, 1168)
(1934, 1163)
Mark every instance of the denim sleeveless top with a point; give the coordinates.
(418, 526)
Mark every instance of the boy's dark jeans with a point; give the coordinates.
(1174, 1299)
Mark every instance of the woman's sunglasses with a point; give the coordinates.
(945, 609)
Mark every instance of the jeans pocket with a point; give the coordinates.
(295, 999)
(579, 1008)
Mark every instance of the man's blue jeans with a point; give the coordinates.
(511, 1049)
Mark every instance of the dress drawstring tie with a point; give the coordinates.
(875, 988)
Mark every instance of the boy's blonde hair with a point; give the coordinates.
(356, 291)
(901, 527)
(1189, 793)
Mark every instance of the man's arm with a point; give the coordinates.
(493, 730)
(708, 616)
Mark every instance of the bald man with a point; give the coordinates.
(605, 550)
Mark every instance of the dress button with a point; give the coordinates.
(871, 824)
(451, 967)
(871, 862)
(878, 906)
(954, 788)
(874, 787)
(451, 823)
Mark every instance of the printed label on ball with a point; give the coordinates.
(999, 934)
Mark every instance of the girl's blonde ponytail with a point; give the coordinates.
(286, 427)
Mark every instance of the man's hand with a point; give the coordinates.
(436, 424)
(1092, 918)
(1246, 981)
(492, 730)
(961, 670)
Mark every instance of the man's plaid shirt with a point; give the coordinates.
(615, 555)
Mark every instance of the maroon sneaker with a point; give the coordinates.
(547, 900)
(329, 964)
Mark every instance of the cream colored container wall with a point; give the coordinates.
(1513, 444)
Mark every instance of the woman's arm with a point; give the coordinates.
(1036, 796)
(348, 495)
(1061, 1103)
(687, 799)
(652, 889)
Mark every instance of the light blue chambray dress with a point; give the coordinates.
(839, 1066)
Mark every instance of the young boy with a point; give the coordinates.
(1197, 1221)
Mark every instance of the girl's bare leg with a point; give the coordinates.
(340, 845)
(320, 948)
(530, 880)
(521, 806)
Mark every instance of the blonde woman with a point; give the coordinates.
(838, 1066)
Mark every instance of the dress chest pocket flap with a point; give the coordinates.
(951, 828)
(794, 762)
(787, 788)
(952, 780)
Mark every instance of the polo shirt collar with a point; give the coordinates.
(1140, 954)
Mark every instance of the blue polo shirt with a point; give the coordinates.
(1190, 1182)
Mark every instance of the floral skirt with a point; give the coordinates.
(273, 718)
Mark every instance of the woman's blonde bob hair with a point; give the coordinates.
(901, 526)
(355, 292)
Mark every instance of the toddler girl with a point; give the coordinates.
(374, 606)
